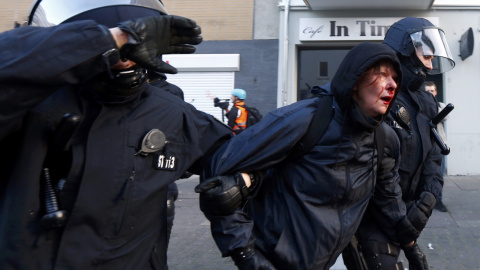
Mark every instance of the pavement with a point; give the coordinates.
(451, 240)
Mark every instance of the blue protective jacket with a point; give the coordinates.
(309, 207)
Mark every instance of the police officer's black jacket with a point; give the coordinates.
(309, 207)
(420, 163)
(35, 61)
(116, 198)
(420, 167)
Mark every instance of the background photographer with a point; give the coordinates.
(237, 116)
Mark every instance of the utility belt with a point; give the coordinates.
(358, 257)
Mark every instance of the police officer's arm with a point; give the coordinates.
(256, 149)
(392, 215)
(48, 56)
(421, 210)
(36, 60)
(266, 143)
(431, 171)
(387, 205)
(431, 174)
(39, 51)
(431, 184)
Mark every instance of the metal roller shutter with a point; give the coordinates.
(200, 88)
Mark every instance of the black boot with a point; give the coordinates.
(440, 206)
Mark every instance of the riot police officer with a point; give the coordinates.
(89, 185)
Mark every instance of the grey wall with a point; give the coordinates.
(266, 15)
(258, 69)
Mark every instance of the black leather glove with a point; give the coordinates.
(421, 210)
(150, 37)
(406, 232)
(250, 259)
(222, 195)
(416, 259)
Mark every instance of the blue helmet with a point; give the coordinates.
(240, 93)
(412, 36)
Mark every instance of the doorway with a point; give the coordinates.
(317, 67)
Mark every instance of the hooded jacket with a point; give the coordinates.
(308, 208)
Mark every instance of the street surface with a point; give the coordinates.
(451, 240)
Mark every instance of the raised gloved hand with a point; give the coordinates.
(150, 37)
(416, 259)
(250, 259)
(222, 195)
(421, 210)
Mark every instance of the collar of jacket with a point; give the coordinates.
(102, 93)
(410, 80)
(240, 103)
(358, 120)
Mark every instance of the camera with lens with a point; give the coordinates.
(222, 103)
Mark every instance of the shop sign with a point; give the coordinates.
(312, 29)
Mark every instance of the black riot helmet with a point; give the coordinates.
(417, 41)
(109, 13)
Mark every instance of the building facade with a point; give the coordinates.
(240, 50)
(277, 49)
(312, 44)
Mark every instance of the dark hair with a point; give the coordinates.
(376, 66)
(429, 84)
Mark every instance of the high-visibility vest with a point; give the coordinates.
(241, 121)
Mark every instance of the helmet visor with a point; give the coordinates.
(53, 12)
(432, 50)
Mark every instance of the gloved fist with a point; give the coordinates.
(222, 195)
(416, 259)
(406, 232)
(250, 259)
(421, 210)
(150, 37)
